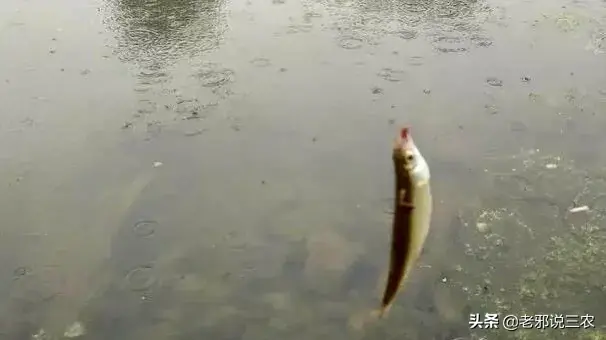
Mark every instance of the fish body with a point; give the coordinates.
(412, 213)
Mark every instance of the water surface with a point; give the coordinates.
(221, 169)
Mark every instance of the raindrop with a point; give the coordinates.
(293, 29)
(140, 278)
(407, 34)
(392, 74)
(350, 43)
(480, 41)
(215, 78)
(493, 81)
(261, 62)
(194, 133)
(21, 271)
(416, 61)
(451, 49)
(145, 228)
(141, 88)
(449, 44)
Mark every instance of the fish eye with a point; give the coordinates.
(410, 158)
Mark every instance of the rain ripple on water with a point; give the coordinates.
(481, 41)
(350, 43)
(261, 62)
(145, 229)
(140, 278)
(407, 34)
(450, 44)
(213, 75)
(415, 61)
(493, 81)
(150, 32)
(392, 75)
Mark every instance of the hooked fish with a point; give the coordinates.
(412, 213)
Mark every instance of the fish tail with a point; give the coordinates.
(382, 311)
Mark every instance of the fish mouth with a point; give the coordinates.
(404, 140)
(405, 133)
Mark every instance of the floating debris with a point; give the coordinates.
(158, 164)
(75, 330)
(377, 90)
(551, 166)
(21, 271)
(480, 41)
(415, 61)
(579, 209)
(85, 72)
(525, 79)
(41, 335)
(427, 91)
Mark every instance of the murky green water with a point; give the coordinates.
(221, 169)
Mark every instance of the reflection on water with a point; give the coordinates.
(452, 26)
(154, 33)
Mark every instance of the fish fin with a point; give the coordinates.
(407, 205)
(402, 202)
(382, 312)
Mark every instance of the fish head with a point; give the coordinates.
(409, 157)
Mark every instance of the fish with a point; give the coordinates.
(412, 214)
